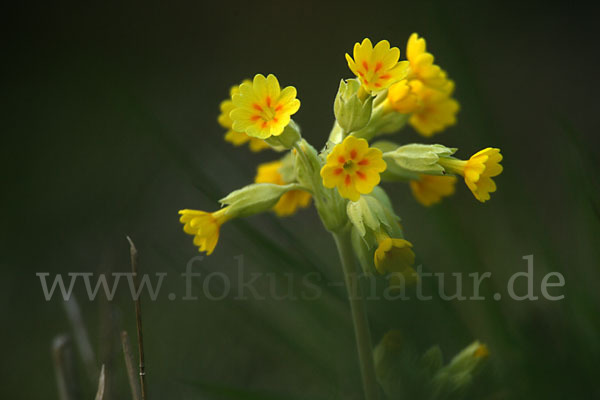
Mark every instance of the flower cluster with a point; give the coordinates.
(343, 179)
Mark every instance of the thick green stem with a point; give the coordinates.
(359, 315)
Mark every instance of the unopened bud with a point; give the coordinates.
(352, 112)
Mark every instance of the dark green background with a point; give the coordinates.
(110, 128)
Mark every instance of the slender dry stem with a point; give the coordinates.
(138, 316)
(129, 364)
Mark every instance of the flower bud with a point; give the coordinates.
(352, 113)
(469, 358)
(458, 374)
(371, 217)
(365, 211)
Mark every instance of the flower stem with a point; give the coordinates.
(359, 315)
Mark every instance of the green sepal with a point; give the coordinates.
(255, 198)
(287, 139)
(419, 158)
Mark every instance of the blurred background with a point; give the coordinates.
(110, 128)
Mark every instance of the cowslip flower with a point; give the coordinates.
(290, 201)
(261, 108)
(353, 167)
(430, 189)
(231, 136)
(204, 226)
(477, 171)
(394, 255)
(421, 63)
(436, 110)
(376, 67)
(401, 98)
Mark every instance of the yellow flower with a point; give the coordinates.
(261, 108)
(432, 109)
(204, 227)
(377, 68)
(290, 201)
(430, 189)
(401, 98)
(237, 138)
(478, 171)
(421, 64)
(394, 255)
(436, 110)
(353, 167)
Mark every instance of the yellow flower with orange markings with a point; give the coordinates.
(353, 167)
(261, 108)
(421, 64)
(237, 138)
(290, 201)
(477, 171)
(430, 189)
(377, 67)
(204, 226)
(436, 110)
(394, 256)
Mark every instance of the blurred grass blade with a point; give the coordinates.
(82, 338)
(64, 366)
(101, 385)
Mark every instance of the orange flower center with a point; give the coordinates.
(372, 75)
(267, 112)
(350, 166)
